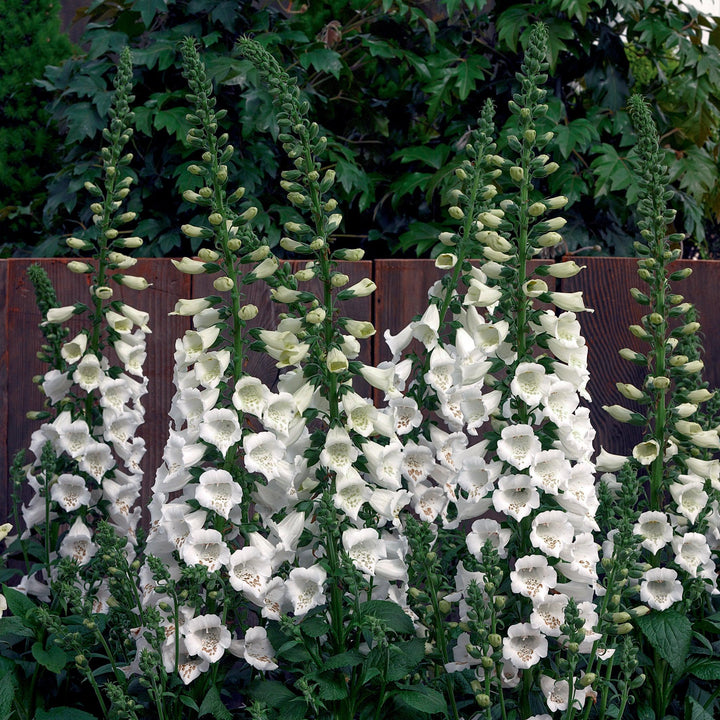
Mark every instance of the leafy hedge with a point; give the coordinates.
(393, 84)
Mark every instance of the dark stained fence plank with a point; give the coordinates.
(4, 407)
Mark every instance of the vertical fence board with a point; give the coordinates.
(4, 407)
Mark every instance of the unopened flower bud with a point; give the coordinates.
(338, 280)
(215, 218)
(248, 312)
(517, 173)
(456, 212)
(223, 284)
(75, 266)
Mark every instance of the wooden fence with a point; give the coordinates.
(402, 288)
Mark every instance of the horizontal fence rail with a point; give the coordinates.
(401, 294)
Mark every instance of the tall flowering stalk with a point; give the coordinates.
(87, 459)
(676, 521)
(505, 452)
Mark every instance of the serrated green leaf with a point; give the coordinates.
(14, 626)
(52, 658)
(704, 668)
(612, 171)
(670, 634)
(18, 603)
(173, 121)
(422, 699)
(697, 711)
(404, 658)
(390, 613)
(348, 659)
(63, 713)
(322, 60)
(213, 705)
(272, 693)
(330, 686)
(315, 626)
(83, 122)
(433, 156)
(512, 22)
(7, 692)
(150, 8)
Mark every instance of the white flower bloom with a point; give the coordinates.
(251, 396)
(217, 491)
(690, 498)
(516, 496)
(384, 463)
(569, 301)
(305, 588)
(417, 462)
(549, 614)
(206, 637)
(440, 376)
(195, 342)
(530, 383)
(59, 315)
(580, 560)
(654, 528)
(364, 548)
(89, 373)
(119, 323)
(550, 471)
(518, 445)
(189, 407)
(210, 368)
(406, 414)
(73, 435)
(397, 343)
(646, 452)
(264, 453)
(220, 428)
(281, 413)
(524, 646)
(426, 329)
(74, 349)
(478, 407)
(70, 492)
(660, 588)
(607, 462)
(257, 650)
(96, 460)
(179, 456)
(120, 428)
(360, 413)
(131, 354)
(138, 317)
(576, 438)
(533, 577)
(557, 693)
(561, 402)
(487, 529)
(250, 569)
(481, 295)
(339, 452)
(77, 543)
(56, 385)
(388, 504)
(351, 491)
(691, 552)
(551, 532)
(205, 547)
(189, 667)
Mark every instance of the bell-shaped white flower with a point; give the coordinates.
(406, 414)
(580, 559)
(516, 496)
(281, 413)
(689, 496)
(217, 491)
(360, 413)
(551, 532)
(256, 649)
(384, 463)
(77, 543)
(305, 588)
(70, 492)
(655, 530)
(210, 368)
(550, 471)
(646, 452)
(557, 693)
(660, 588)
(220, 428)
(264, 453)
(518, 445)
(691, 552)
(56, 385)
(96, 460)
(250, 569)
(205, 547)
(561, 402)
(486, 529)
(339, 452)
(351, 491)
(206, 637)
(530, 383)
(364, 548)
(533, 577)
(73, 435)
(417, 463)
(189, 407)
(549, 614)
(89, 372)
(251, 396)
(524, 646)
(477, 407)
(74, 349)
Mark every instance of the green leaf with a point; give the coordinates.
(63, 713)
(150, 8)
(7, 692)
(18, 603)
(577, 135)
(52, 658)
(612, 171)
(469, 71)
(404, 658)
(173, 121)
(697, 711)
(188, 702)
(390, 613)
(433, 156)
(348, 659)
(273, 693)
(213, 705)
(422, 699)
(511, 23)
(14, 626)
(322, 60)
(83, 122)
(670, 634)
(330, 686)
(705, 669)
(314, 626)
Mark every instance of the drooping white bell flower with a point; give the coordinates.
(220, 428)
(73, 435)
(305, 588)
(516, 496)
(360, 413)
(74, 349)
(211, 366)
(265, 453)
(557, 693)
(486, 529)
(364, 547)
(533, 577)
(580, 559)
(549, 614)
(89, 372)
(131, 355)
(426, 329)
(477, 407)
(96, 460)
(206, 637)
(518, 445)
(530, 383)
(217, 491)
(417, 463)
(561, 402)
(189, 407)
(77, 543)
(70, 492)
(406, 414)
(251, 396)
(655, 530)
(689, 496)
(351, 491)
(56, 385)
(250, 569)
(691, 552)
(120, 428)
(550, 471)
(551, 532)
(660, 588)
(384, 463)
(256, 649)
(275, 602)
(524, 646)
(339, 452)
(179, 456)
(205, 547)
(440, 376)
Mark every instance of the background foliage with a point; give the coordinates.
(392, 85)
(30, 40)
